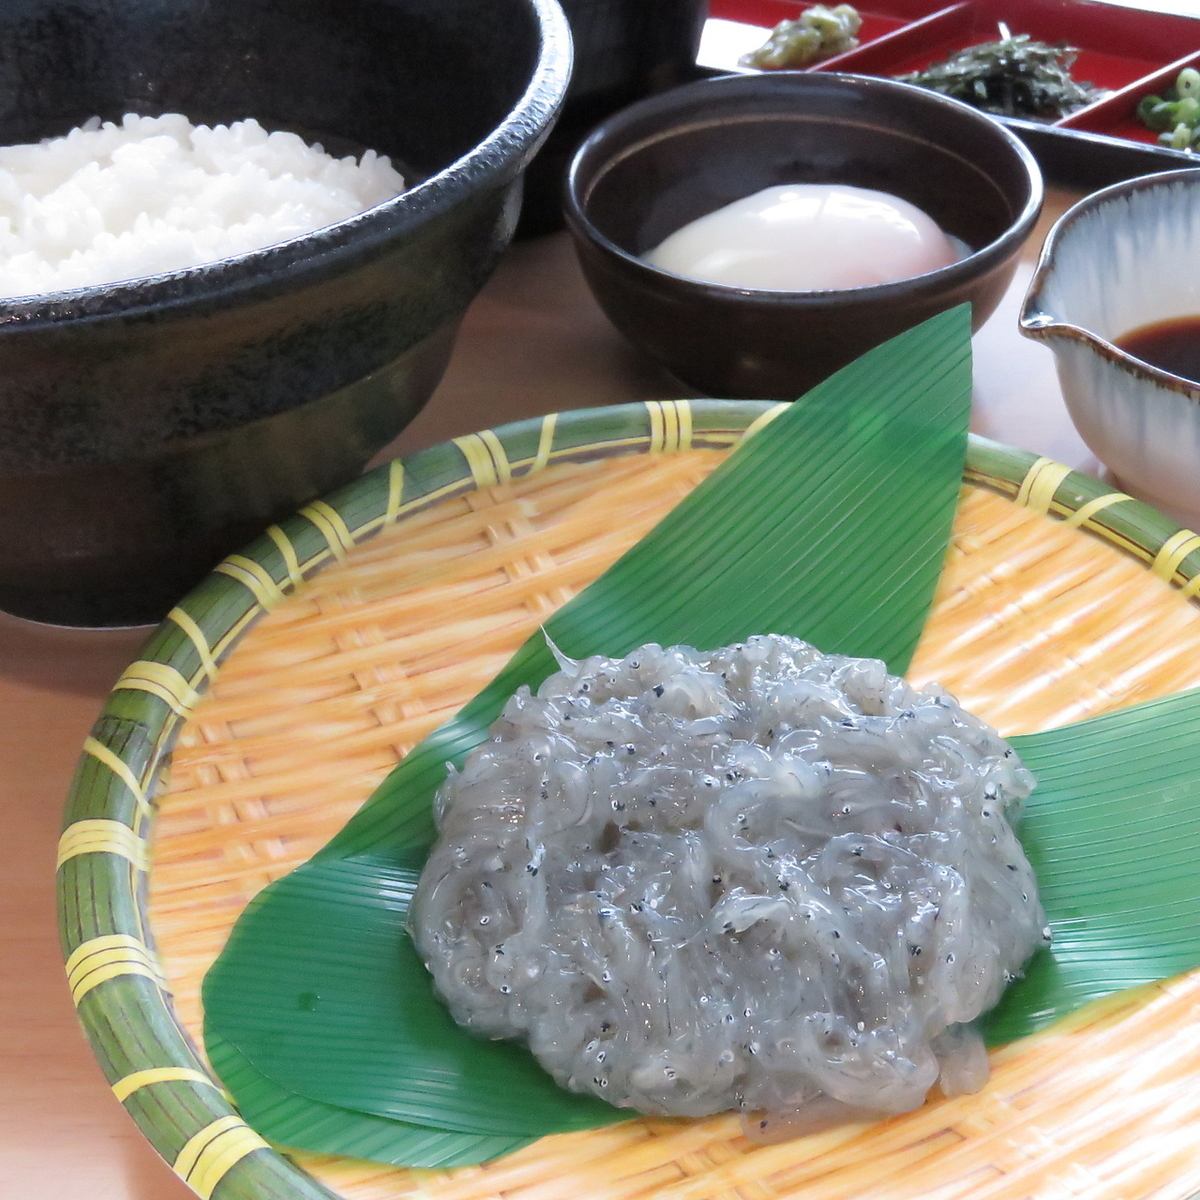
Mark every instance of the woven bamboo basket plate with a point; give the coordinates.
(277, 695)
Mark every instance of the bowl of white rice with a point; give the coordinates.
(236, 241)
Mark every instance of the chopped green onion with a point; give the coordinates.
(1175, 115)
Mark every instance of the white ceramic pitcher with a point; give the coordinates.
(1123, 258)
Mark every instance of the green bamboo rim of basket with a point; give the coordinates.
(113, 971)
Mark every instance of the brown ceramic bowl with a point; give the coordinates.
(666, 161)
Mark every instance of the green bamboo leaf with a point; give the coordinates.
(831, 526)
(295, 1122)
(1113, 832)
(332, 1003)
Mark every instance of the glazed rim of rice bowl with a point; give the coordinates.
(494, 160)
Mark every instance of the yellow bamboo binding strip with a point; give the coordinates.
(194, 1147)
(1172, 553)
(1191, 588)
(109, 957)
(1040, 483)
(196, 636)
(664, 420)
(545, 443)
(221, 1157)
(683, 418)
(287, 552)
(761, 422)
(395, 491)
(162, 681)
(333, 529)
(479, 461)
(100, 835)
(1022, 496)
(1081, 516)
(96, 945)
(124, 1088)
(101, 753)
(658, 436)
(496, 450)
(253, 576)
(670, 426)
(208, 1156)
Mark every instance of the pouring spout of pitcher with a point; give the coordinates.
(1039, 321)
(1043, 326)
(1042, 315)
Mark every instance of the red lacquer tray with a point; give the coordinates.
(1129, 52)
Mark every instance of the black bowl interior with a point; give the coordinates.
(367, 73)
(694, 150)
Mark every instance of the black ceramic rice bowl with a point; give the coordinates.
(148, 427)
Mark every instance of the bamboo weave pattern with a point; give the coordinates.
(1033, 626)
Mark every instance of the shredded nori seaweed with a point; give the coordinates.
(1011, 77)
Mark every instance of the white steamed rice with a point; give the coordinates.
(758, 878)
(108, 202)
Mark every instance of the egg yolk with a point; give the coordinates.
(808, 237)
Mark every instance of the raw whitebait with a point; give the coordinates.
(757, 878)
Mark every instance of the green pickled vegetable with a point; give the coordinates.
(1011, 77)
(819, 32)
(1175, 115)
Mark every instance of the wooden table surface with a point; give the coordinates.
(533, 342)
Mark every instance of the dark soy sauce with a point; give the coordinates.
(1172, 345)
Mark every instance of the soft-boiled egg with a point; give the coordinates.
(808, 237)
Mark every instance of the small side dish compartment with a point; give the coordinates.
(1117, 113)
(879, 17)
(737, 27)
(1125, 53)
(1117, 45)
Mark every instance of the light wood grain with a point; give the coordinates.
(533, 342)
